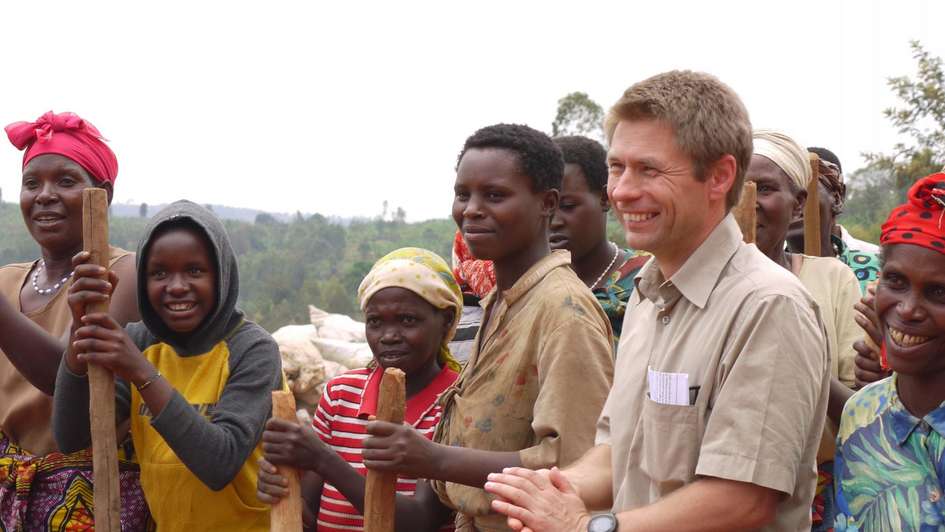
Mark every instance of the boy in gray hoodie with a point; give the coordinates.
(193, 377)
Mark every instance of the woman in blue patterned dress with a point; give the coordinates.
(890, 468)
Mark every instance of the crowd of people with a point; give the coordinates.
(717, 384)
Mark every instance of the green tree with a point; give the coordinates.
(400, 215)
(871, 194)
(264, 218)
(364, 251)
(920, 120)
(336, 299)
(578, 114)
(283, 266)
(920, 117)
(354, 274)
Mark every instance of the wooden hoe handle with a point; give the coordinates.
(381, 489)
(286, 514)
(106, 493)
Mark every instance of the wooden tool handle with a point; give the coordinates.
(106, 493)
(812, 244)
(745, 211)
(286, 514)
(381, 488)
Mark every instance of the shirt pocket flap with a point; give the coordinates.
(669, 443)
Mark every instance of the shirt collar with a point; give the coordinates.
(416, 406)
(530, 278)
(699, 274)
(902, 421)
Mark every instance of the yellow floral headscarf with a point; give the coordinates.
(424, 273)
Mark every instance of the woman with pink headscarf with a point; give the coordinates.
(40, 488)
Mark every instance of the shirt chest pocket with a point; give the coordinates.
(669, 444)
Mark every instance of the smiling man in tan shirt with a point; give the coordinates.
(720, 387)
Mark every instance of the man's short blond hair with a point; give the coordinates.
(708, 119)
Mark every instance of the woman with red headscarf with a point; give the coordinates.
(890, 461)
(40, 488)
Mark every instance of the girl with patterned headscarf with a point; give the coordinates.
(411, 304)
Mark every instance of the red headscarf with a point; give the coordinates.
(68, 135)
(920, 220)
(474, 275)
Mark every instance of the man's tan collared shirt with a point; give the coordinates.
(722, 371)
(535, 383)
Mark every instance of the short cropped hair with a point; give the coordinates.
(539, 157)
(708, 119)
(590, 156)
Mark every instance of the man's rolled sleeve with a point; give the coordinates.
(769, 396)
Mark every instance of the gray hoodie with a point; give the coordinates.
(213, 441)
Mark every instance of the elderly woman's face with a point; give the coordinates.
(51, 201)
(403, 330)
(778, 203)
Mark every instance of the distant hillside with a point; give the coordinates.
(284, 265)
(133, 210)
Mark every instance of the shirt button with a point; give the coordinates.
(934, 496)
(665, 320)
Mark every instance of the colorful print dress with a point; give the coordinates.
(890, 472)
(615, 291)
(865, 264)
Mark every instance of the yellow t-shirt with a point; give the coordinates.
(180, 501)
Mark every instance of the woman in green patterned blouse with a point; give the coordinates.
(580, 226)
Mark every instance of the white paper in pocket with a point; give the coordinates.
(668, 388)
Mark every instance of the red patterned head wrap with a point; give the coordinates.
(68, 135)
(474, 275)
(920, 220)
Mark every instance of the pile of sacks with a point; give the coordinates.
(313, 354)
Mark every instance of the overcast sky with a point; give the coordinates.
(333, 107)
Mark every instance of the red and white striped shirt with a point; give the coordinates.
(340, 421)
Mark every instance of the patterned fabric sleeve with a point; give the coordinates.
(865, 264)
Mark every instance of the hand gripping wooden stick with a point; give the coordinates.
(745, 211)
(381, 488)
(106, 494)
(286, 514)
(812, 244)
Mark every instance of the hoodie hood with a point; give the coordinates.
(225, 316)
